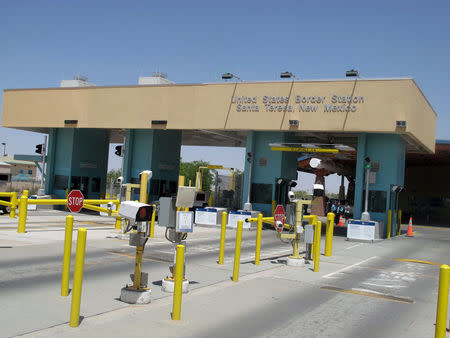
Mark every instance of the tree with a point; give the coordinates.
(189, 170)
(113, 174)
(302, 194)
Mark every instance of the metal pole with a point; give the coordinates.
(66, 258)
(178, 287)
(13, 199)
(152, 224)
(247, 205)
(44, 150)
(442, 303)
(237, 251)
(22, 213)
(78, 278)
(222, 237)
(317, 235)
(258, 239)
(329, 234)
(366, 204)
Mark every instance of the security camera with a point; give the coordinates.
(135, 211)
(291, 196)
(119, 180)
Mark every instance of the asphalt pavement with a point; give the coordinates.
(362, 290)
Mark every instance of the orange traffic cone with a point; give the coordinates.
(410, 229)
(341, 221)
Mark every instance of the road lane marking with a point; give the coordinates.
(370, 293)
(349, 267)
(353, 246)
(415, 261)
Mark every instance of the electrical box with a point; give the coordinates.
(185, 197)
(309, 233)
(290, 213)
(167, 212)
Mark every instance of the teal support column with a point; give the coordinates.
(77, 159)
(268, 166)
(50, 166)
(358, 204)
(155, 150)
(388, 150)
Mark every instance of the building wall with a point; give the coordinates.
(260, 106)
(77, 159)
(268, 166)
(389, 152)
(427, 195)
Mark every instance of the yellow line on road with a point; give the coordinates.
(414, 261)
(368, 293)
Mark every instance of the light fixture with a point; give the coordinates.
(293, 123)
(287, 75)
(352, 73)
(229, 76)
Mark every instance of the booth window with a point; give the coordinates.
(61, 182)
(96, 184)
(261, 193)
(377, 200)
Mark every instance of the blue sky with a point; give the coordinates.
(115, 42)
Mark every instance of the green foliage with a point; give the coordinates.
(112, 175)
(302, 194)
(189, 169)
(332, 195)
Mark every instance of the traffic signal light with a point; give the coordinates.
(119, 151)
(38, 149)
(367, 162)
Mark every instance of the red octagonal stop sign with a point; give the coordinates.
(75, 200)
(279, 215)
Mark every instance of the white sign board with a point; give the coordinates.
(235, 216)
(205, 216)
(185, 221)
(361, 229)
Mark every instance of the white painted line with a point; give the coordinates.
(385, 286)
(353, 246)
(349, 267)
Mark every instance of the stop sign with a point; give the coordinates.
(278, 215)
(75, 200)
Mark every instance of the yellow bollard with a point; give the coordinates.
(152, 224)
(399, 222)
(389, 224)
(13, 199)
(143, 196)
(222, 237)
(237, 251)
(274, 204)
(78, 278)
(317, 236)
(312, 219)
(25, 193)
(258, 239)
(442, 303)
(22, 214)
(329, 234)
(178, 287)
(66, 258)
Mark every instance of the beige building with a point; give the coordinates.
(375, 120)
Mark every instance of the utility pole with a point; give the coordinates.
(41, 191)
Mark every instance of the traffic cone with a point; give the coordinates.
(341, 221)
(410, 229)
